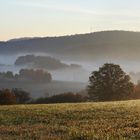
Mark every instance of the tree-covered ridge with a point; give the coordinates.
(122, 45)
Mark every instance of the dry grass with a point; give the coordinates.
(87, 121)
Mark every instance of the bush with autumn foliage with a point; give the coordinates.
(14, 96)
(7, 97)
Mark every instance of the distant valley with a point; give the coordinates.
(71, 58)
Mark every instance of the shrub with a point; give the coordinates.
(7, 97)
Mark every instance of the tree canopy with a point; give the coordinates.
(110, 82)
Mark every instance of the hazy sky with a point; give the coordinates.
(24, 18)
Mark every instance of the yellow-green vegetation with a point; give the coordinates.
(86, 121)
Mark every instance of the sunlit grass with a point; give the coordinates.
(85, 121)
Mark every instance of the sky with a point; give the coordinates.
(39, 18)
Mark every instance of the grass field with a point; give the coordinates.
(87, 121)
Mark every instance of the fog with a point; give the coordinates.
(64, 80)
(74, 75)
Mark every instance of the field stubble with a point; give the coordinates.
(85, 121)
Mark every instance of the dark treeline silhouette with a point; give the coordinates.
(27, 75)
(61, 98)
(19, 96)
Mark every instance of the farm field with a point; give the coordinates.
(84, 121)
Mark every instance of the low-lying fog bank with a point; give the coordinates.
(68, 79)
(79, 75)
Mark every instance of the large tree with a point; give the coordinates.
(110, 82)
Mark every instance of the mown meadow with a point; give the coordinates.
(84, 121)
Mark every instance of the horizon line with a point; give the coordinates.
(57, 36)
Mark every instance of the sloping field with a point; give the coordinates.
(87, 121)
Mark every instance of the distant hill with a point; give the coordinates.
(22, 39)
(99, 45)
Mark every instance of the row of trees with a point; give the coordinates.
(34, 75)
(61, 98)
(109, 83)
(18, 96)
(7, 75)
(27, 75)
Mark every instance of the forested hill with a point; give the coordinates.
(106, 44)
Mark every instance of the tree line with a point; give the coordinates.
(27, 75)
(109, 83)
(19, 96)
